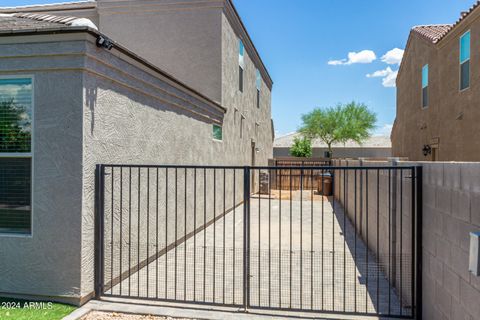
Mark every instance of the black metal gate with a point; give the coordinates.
(342, 240)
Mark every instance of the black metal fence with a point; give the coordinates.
(228, 236)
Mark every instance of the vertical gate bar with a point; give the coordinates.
(412, 245)
(233, 224)
(214, 230)
(246, 238)
(323, 222)
(290, 252)
(378, 237)
(224, 242)
(259, 233)
(333, 241)
(185, 239)
(121, 226)
(366, 235)
(301, 238)
(138, 235)
(280, 242)
(194, 234)
(269, 238)
(99, 230)
(156, 240)
(176, 232)
(401, 241)
(355, 245)
(204, 229)
(148, 229)
(311, 237)
(166, 233)
(389, 239)
(129, 229)
(111, 233)
(344, 237)
(418, 242)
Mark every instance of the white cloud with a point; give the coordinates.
(364, 56)
(393, 56)
(389, 76)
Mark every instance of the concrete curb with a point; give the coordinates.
(205, 313)
(78, 313)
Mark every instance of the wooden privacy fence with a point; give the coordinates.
(291, 179)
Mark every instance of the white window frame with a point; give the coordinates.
(29, 155)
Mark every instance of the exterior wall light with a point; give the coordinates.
(426, 150)
(103, 42)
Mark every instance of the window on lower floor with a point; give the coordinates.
(258, 98)
(16, 155)
(240, 79)
(217, 132)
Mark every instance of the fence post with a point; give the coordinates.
(246, 237)
(419, 241)
(99, 228)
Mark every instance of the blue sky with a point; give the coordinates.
(297, 38)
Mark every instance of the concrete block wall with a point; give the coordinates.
(451, 210)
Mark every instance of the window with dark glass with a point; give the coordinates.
(465, 61)
(15, 155)
(258, 85)
(425, 86)
(241, 64)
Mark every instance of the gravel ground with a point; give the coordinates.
(97, 315)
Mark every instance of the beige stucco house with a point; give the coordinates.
(438, 92)
(130, 82)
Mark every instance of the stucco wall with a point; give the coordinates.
(48, 262)
(244, 103)
(451, 118)
(182, 38)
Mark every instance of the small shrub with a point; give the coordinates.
(302, 147)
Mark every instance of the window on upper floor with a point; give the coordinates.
(241, 64)
(16, 104)
(258, 85)
(465, 61)
(217, 132)
(425, 86)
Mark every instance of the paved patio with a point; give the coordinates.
(303, 255)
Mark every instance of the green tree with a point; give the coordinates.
(302, 147)
(15, 126)
(352, 121)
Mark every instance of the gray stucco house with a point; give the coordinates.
(132, 82)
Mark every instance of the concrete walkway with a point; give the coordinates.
(303, 255)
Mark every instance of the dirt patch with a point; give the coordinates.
(98, 315)
(305, 195)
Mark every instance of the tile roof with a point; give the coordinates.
(373, 142)
(433, 32)
(31, 21)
